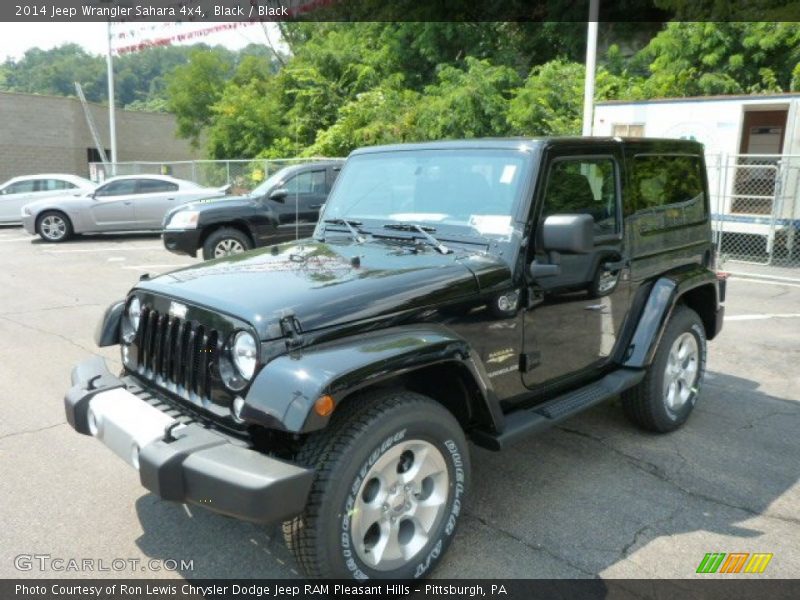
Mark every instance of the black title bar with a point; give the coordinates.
(394, 10)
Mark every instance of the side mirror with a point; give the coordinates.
(568, 233)
(573, 234)
(279, 195)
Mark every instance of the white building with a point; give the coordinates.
(752, 152)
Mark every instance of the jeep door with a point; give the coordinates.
(112, 207)
(574, 318)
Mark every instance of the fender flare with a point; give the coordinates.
(108, 329)
(283, 393)
(664, 294)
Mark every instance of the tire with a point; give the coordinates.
(666, 396)
(54, 226)
(226, 241)
(604, 283)
(354, 508)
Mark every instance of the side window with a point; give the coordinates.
(584, 186)
(153, 186)
(21, 187)
(117, 188)
(50, 185)
(669, 181)
(310, 182)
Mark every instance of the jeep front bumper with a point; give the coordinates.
(183, 463)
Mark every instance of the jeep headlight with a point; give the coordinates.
(183, 219)
(244, 353)
(135, 313)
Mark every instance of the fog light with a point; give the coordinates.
(324, 405)
(238, 405)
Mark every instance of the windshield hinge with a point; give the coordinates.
(290, 329)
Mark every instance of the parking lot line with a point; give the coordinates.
(761, 317)
(148, 267)
(107, 249)
(765, 281)
(21, 239)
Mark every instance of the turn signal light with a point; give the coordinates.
(324, 405)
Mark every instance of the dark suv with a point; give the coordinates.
(284, 207)
(477, 290)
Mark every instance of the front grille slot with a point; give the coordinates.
(177, 354)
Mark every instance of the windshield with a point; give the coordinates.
(270, 182)
(476, 191)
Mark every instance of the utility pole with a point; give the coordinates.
(112, 121)
(591, 64)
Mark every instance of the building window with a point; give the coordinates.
(634, 130)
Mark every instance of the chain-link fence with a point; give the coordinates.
(755, 202)
(242, 175)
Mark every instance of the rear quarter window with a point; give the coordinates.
(668, 190)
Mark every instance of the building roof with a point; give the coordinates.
(735, 98)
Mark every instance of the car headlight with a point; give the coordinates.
(183, 219)
(135, 313)
(244, 353)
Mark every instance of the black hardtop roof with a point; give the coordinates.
(525, 143)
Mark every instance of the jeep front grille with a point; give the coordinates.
(177, 354)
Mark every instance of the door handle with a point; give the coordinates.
(128, 202)
(170, 199)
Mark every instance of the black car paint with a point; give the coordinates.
(339, 291)
(264, 220)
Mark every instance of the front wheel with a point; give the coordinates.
(54, 226)
(391, 473)
(665, 398)
(226, 241)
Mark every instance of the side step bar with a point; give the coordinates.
(522, 423)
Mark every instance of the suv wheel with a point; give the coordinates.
(392, 471)
(54, 226)
(226, 241)
(665, 398)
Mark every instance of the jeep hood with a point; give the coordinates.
(329, 284)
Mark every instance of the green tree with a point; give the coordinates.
(194, 88)
(472, 102)
(551, 100)
(692, 59)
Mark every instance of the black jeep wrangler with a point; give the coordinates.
(478, 290)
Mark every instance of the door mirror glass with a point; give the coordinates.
(568, 233)
(279, 195)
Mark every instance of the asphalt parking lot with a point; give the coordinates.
(594, 497)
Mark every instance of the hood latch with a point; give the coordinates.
(291, 330)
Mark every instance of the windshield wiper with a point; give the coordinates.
(351, 227)
(424, 231)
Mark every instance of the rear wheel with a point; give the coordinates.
(667, 395)
(392, 471)
(54, 226)
(226, 241)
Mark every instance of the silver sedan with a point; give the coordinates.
(126, 203)
(19, 191)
